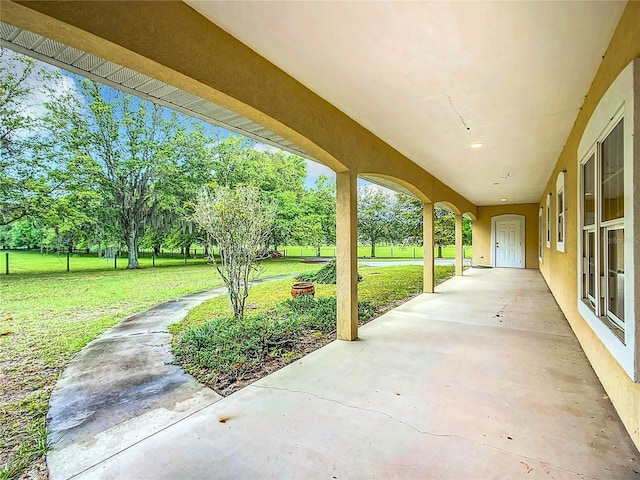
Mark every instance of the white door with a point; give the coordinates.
(509, 248)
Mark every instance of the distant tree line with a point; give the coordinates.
(395, 218)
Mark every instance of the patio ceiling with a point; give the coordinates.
(432, 78)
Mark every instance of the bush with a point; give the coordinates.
(321, 314)
(228, 346)
(326, 275)
(366, 311)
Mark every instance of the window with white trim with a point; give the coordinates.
(541, 234)
(602, 191)
(608, 277)
(561, 209)
(549, 221)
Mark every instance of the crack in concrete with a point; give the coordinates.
(424, 432)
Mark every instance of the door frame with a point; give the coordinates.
(508, 217)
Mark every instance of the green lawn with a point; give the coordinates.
(47, 317)
(24, 261)
(21, 261)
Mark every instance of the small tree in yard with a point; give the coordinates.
(239, 224)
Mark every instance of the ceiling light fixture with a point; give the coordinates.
(503, 199)
(477, 145)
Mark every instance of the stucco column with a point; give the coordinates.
(459, 246)
(427, 244)
(347, 255)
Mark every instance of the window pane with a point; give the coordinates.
(548, 223)
(615, 246)
(540, 232)
(613, 174)
(588, 192)
(560, 216)
(589, 253)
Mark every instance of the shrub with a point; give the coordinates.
(320, 314)
(228, 346)
(366, 311)
(326, 275)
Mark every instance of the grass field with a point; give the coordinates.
(21, 261)
(47, 317)
(32, 261)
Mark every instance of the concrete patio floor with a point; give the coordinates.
(483, 379)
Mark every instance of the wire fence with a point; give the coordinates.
(34, 261)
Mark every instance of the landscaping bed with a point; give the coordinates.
(226, 354)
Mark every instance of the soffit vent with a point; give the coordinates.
(130, 81)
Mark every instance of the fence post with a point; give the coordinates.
(67, 261)
(414, 252)
(391, 252)
(6, 268)
(115, 261)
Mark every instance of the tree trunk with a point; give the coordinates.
(318, 251)
(373, 250)
(156, 250)
(132, 247)
(187, 250)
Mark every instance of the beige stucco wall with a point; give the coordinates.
(482, 232)
(560, 270)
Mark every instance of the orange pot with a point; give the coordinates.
(302, 288)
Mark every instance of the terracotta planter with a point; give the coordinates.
(302, 288)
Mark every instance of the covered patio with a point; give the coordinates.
(483, 379)
(491, 111)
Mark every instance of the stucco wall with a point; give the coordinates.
(559, 269)
(482, 232)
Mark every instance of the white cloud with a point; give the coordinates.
(263, 147)
(34, 105)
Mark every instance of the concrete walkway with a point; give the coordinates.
(483, 379)
(122, 387)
